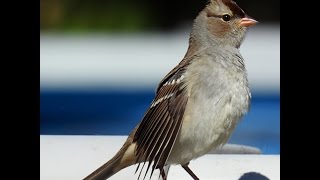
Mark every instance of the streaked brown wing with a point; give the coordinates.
(160, 126)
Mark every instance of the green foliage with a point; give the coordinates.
(135, 15)
(93, 15)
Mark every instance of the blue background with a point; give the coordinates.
(115, 112)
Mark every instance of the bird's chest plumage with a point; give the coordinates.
(218, 98)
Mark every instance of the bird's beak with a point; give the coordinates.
(246, 22)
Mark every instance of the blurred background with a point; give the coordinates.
(100, 62)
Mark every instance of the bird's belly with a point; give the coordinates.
(206, 127)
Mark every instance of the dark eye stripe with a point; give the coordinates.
(210, 14)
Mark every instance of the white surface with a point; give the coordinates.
(74, 157)
(139, 60)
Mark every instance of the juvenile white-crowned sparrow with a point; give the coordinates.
(198, 103)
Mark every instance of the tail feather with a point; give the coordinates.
(123, 159)
(105, 171)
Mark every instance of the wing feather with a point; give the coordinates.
(160, 126)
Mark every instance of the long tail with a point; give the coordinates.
(123, 159)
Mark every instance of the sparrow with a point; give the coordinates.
(198, 103)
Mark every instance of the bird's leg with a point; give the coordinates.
(163, 174)
(185, 167)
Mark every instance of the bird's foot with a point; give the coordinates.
(185, 167)
(163, 174)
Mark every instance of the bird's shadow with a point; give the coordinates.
(253, 176)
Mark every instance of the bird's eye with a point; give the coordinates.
(226, 17)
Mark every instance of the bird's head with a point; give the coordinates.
(222, 22)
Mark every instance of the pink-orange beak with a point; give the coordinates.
(246, 22)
